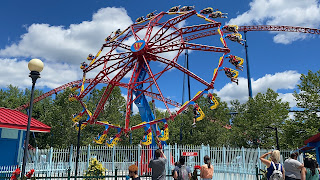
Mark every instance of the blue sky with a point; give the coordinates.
(62, 33)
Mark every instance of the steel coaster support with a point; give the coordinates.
(247, 64)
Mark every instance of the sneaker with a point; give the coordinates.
(193, 124)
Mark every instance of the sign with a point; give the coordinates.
(189, 153)
(138, 46)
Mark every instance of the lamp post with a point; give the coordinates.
(35, 66)
(78, 147)
(277, 139)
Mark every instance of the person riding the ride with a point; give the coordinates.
(235, 61)
(150, 15)
(231, 28)
(217, 14)
(139, 19)
(186, 8)
(90, 57)
(207, 10)
(83, 65)
(230, 74)
(117, 32)
(235, 38)
(174, 9)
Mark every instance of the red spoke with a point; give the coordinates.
(156, 84)
(181, 68)
(169, 24)
(103, 74)
(192, 46)
(129, 96)
(151, 24)
(106, 58)
(136, 37)
(128, 66)
(185, 30)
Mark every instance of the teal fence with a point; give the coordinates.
(229, 163)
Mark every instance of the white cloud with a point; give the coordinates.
(53, 75)
(68, 44)
(288, 97)
(279, 81)
(62, 49)
(304, 13)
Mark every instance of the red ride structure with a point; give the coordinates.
(154, 38)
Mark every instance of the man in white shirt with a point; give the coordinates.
(293, 167)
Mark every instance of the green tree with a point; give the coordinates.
(210, 130)
(306, 123)
(249, 125)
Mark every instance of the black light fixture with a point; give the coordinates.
(277, 139)
(35, 66)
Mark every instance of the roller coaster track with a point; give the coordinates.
(257, 28)
(194, 36)
(60, 88)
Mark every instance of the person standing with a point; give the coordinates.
(133, 172)
(206, 171)
(158, 165)
(182, 172)
(293, 167)
(310, 171)
(274, 164)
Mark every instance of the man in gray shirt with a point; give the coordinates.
(158, 165)
(292, 167)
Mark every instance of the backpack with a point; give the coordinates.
(277, 173)
(183, 173)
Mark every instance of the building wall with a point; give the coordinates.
(11, 142)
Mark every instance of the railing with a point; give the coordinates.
(229, 163)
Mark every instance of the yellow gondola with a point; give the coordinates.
(164, 134)
(148, 140)
(214, 103)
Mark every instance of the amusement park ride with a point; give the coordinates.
(160, 36)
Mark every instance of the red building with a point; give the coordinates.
(13, 127)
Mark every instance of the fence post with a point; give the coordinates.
(202, 151)
(224, 161)
(208, 150)
(257, 173)
(113, 154)
(88, 156)
(168, 154)
(36, 159)
(116, 173)
(243, 163)
(139, 159)
(50, 161)
(69, 172)
(176, 152)
(70, 157)
(259, 162)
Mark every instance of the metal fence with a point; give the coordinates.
(229, 163)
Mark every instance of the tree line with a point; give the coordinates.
(248, 121)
